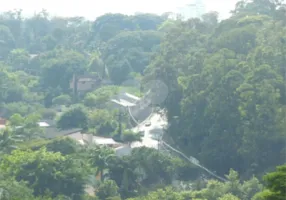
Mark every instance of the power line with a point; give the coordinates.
(193, 160)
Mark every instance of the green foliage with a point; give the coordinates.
(11, 189)
(130, 58)
(62, 100)
(225, 103)
(34, 144)
(7, 41)
(229, 197)
(48, 113)
(100, 96)
(8, 140)
(16, 120)
(102, 122)
(129, 136)
(98, 157)
(30, 128)
(107, 190)
(18, 107)
(59, 70)
(275, 185)
(232, 190)
(164, 194)
(75, 117)
(65, 146)
(19, 58)
(157, 167)
(35, 166)
(225, 85)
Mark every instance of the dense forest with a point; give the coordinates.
(226, 104)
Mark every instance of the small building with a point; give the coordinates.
(51, 131)
(43, 124)
(106, 141)
(83, 138)
(84, 83)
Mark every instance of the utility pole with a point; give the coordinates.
(75, 81)
(158, 144)
(284, 70)
(120, 123)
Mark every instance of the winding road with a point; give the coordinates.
(153, 134)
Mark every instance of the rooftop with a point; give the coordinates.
(86, 80)
(43, 124)
(53, 132)
(95, 139)
(102, 140)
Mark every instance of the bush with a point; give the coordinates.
(63, 145)
(48, 113)
(62, 100)
(75, 117)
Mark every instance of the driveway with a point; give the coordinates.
(151, 133)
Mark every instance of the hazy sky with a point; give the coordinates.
(91, 9)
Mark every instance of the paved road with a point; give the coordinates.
(150, 132)
(156, 128)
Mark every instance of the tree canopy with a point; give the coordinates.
(222, 83)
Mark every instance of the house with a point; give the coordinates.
(43, 124)
(84, 83)
(51, 131)
(119, 148)
(82, 138)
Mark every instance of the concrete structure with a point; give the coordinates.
(139, 108)
(84, 83)
(152, 133)
(43, 124)
(142, 111)
(84, 138)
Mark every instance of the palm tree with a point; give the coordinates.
(98, 156)
(101, 161)
(8, 139)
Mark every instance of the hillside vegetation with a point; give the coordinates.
(226, 104)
